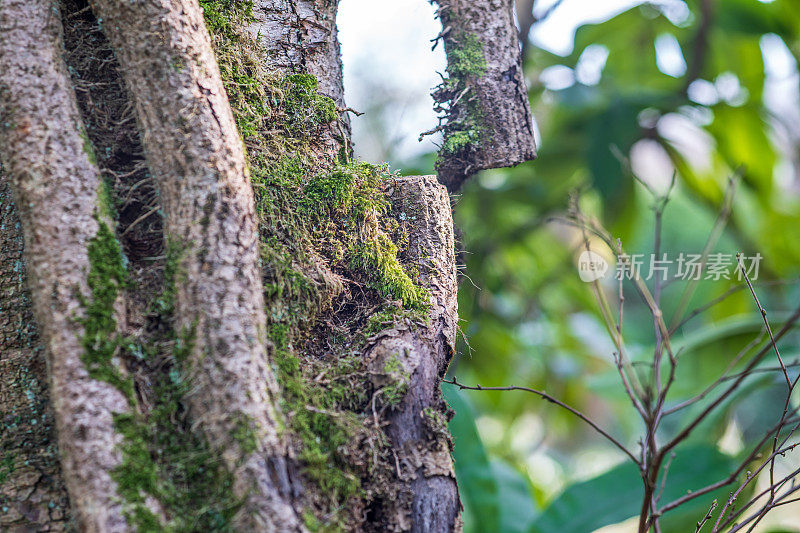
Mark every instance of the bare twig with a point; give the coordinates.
(707, 517)
(764, 317)
(555, 401)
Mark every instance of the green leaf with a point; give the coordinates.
(517, 507)
(741, 136)
(617, 495)
(477, 484)
(495, 496)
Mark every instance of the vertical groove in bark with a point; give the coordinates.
(197, 159)
(488, 120)
(302, 36)
(56, 186)
(428, 498)
(32, 492)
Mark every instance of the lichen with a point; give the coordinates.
(394, 392)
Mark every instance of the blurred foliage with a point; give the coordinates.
(700, 88)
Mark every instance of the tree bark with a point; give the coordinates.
(428, 499)
(57, 189)
(301, 36)
(488, 120)
(32, 492)
(197, 158)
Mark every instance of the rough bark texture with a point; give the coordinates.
(194, 151)
(428, 499)
(56, 186)
(301, 36)
(485, 101)
(32, 492)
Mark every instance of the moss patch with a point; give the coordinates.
(164, 459)
(100, 340)
(454, 97)
(305, 108)
(466, 59)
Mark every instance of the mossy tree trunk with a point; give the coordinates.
(62, 206)
(486, 116)
(245, 329)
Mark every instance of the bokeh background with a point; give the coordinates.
(695, 88)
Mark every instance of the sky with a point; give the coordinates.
(387, 57)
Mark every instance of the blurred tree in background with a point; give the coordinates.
(697, 88)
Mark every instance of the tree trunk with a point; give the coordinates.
(72, 258)
(198, 162)
(32, 492)
(268, 353)
(487, 117)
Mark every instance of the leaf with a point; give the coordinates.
(742, 139)
(476, 482)
(495, 496)
(517, 507)
(617, 495)
(618, 126)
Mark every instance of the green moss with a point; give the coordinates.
(219, 14)
(163, 458)
(379, 258)
(244, 433)
(465, 63)
(105, 201)
(173, 253)
(100, 340)
(88, 148)
(322, 431)
(390, 315)
(320, 221)
(305, 108)
(352, 191)
(466, 58)
(458, 141)
(137, 475)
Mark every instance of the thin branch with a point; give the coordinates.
(707, 517)
(713, 237)
(735, 385)
(552, 400)
(764, 317)
(724, 377)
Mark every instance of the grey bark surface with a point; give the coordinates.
(32, 492)
(428, 500)
(56, 189)
(197, 158)
(302, 36)
(495, 97)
